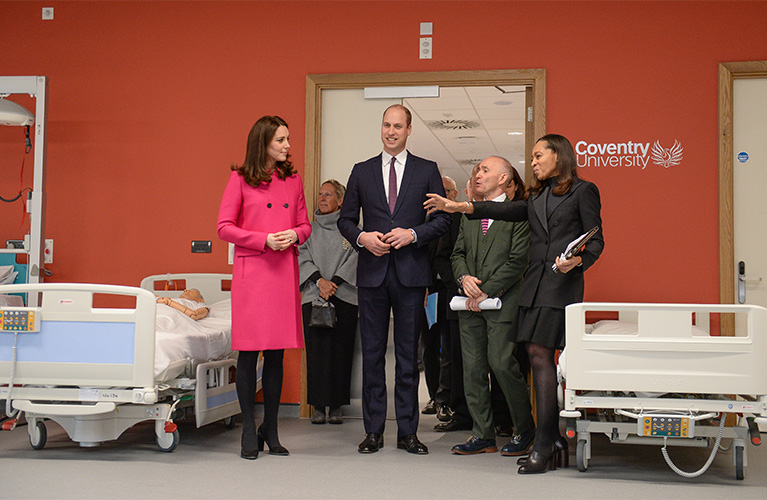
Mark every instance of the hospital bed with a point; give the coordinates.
(97, 371)
(661, 374)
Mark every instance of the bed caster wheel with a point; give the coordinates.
(739, 463)
(580, 456)
(168, 441)
(230, 422)
(38, 435)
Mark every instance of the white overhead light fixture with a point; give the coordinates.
(14, 115)
(516, 133)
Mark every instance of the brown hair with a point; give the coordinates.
(408, 115)
(254, 169)
(567, 165)
(519, 190)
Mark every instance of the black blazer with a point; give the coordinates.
(365, 191)
(573, 214)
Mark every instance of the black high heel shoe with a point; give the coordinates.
(538, 463)
(274, 448)
(561, 454)
(249, 451)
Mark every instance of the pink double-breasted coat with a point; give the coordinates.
(266, 308)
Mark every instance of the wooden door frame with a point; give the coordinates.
(316, 83)
(728, 72)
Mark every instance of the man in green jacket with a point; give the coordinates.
(489, 261)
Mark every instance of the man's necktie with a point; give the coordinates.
(392, 185)
(485, 225)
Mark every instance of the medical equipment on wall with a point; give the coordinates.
(13, 114)
(660, 374)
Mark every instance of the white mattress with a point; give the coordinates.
(181, 341)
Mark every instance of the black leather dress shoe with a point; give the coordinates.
(411, 444)
(430, 408)
(249, 454)
(519, 444)
(444, 413)
(452, 425)
(372, 443)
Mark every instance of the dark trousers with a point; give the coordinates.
(431, 340)
(452, 373)
(375, 307)
(329, 353)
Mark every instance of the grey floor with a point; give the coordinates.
(324, 463)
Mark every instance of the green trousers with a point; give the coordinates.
(485, 345)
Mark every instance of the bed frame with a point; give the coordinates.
(91, 369)
(658, 366)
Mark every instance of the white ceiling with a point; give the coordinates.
(467, 124)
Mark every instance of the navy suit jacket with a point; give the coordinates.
(365, 192)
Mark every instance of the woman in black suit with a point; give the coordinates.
(560, 207)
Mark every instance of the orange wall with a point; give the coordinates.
(151, 101)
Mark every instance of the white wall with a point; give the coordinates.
(351, 131)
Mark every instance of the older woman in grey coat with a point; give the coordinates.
(328, 271)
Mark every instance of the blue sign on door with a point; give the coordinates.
(743, 157)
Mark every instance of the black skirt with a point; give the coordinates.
(540, 325)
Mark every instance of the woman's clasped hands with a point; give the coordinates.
(281, 240)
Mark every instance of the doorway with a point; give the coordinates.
(728, 74)
(535, 103)
(535, 125)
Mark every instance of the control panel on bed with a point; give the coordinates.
(20, 319)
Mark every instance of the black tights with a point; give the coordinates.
(545, 380)
(271, 382)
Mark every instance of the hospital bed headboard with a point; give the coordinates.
(213, 287)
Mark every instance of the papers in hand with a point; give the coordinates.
(459, 304)
(575, 247)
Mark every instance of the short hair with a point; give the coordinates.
(340, 188)
(519, 184)
(408, 115)
(253, 169)
(567, 164)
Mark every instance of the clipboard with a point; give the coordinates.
(576, 246)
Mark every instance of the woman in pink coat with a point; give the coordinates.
(263, 212)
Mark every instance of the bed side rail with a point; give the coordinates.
(82, 345)
(667, 348)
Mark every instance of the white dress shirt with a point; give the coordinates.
(399, 168)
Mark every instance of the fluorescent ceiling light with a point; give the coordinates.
(14, 115)
(401, 92)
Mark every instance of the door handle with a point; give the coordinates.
(743, 280)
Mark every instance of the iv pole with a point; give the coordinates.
(34, 242)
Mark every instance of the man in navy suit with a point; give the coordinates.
(392, 272)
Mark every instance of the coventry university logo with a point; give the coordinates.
(667, 157)
(628, 154)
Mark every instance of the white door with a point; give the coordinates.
(750, 189)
